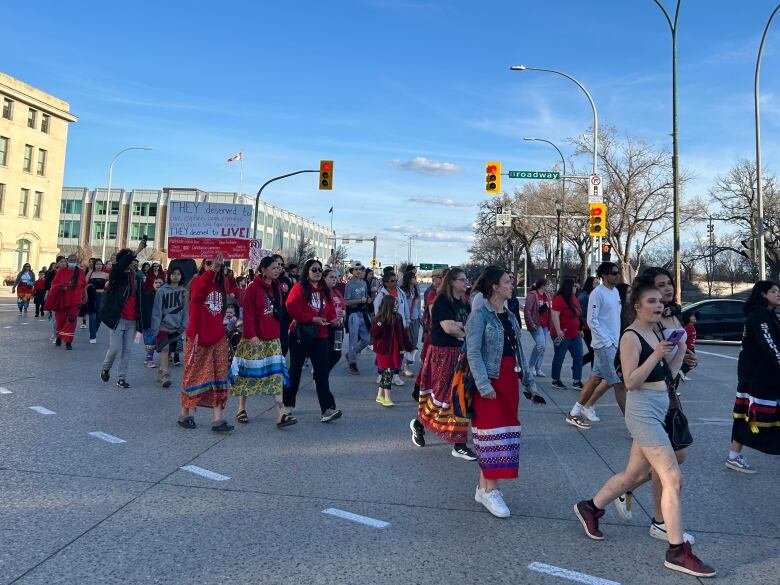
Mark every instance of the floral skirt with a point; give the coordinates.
(435, 409)
(259, 370)
(495, 426)
(205, 380)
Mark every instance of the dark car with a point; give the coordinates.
(717, 319)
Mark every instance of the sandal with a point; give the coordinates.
(242, 416)
(187, 422)
(222, 427)
(286, 421)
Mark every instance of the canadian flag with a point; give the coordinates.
(239, 156)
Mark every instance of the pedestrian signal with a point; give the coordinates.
(326, 175)
(606, 252)
(597, 219)
(493, 177)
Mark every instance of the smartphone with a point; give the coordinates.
(676, 336)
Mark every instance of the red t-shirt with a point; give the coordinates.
(130, 308)
(570, 320)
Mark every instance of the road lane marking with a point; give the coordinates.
(5, 391)
(205, 473)
(7, 327)
(728, 357)
(570, 575)
(716, 421)
(42, 410)
(106, 437)
(356, 518)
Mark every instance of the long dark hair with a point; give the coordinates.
(589, 283)
(219, 279)
(74, 279)
(182, 280)
(386, 312)
(756, 300)
(306, 285)
(540, 282)
(566, 290)
(406, 285)
(489, 278)
(447, 279)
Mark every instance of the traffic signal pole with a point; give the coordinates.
(268, 182)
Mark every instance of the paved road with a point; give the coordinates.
(78, 509)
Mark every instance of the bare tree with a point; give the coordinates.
(638, 192)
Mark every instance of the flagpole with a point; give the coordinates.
(241, 174)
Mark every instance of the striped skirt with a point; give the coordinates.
(259, 370)
(756, 422)
(435, 409)
(495, 426)
(205, 379)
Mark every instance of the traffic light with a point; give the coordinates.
(606, 252)
(493, 177)
(326, 175)
(597, 219)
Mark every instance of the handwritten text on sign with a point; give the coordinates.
(200, 230)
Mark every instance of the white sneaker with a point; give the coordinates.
(93, 341)
(659, 531)
(623, 505)
(82, 326)
(408, 373)
(576, 410)
(685, 378)
(590, 413)
(495, 504)
(397, 380)
(540, 374)
(479, 494)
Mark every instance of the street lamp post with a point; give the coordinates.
(560, 203)
(675, 152)
(108, 193)
(268, 182)
(595, 136)
(759, 188)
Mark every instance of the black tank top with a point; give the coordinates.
(661, 370)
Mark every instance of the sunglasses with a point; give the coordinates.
(315, 269)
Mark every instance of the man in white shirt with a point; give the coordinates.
(604, 312)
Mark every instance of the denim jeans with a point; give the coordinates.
(537, 355)
(120, 341)
(574, 347)
(94, 321)
(358, 336)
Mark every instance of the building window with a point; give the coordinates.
(31, 116)
(70, 206)
(100, 207)
(145, 209)
(69, 228)
(3, 150)
(138, 230)
(2, 198)
(24, 201)
(28, 154)
(37, 205)
(22, 253)
(99, 227)
(8, 109)
(45, 119)
(41, 162)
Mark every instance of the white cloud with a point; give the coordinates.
(446, 202)
(426, 166)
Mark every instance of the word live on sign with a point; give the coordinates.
(203, 229)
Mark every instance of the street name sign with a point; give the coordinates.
(555, 175)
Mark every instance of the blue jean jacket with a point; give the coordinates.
(485, 346)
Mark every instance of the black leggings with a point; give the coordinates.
(317, 352)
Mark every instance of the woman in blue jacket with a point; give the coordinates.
(496, 360)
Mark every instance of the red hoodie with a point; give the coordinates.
(304, 312)
(258, 312)
(205, 317)
(61, 292)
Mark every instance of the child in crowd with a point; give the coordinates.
(690, 342)
(390, 341)
(40, 293)
(233, 325)
(150, 335)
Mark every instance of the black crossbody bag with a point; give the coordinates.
(675, 422)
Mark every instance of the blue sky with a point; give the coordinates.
(410, 98)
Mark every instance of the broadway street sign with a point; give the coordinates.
(534, 175)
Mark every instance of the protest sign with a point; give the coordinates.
(256, 253)
(203, 229)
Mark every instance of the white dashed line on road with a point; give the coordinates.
(106, 437)
(5, 391)
(42, 410)
(570, 575)
(728, 357)
(205, 473)
(356, 518)
(7, 327)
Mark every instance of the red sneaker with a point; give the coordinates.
(589, 520)
(682, 559)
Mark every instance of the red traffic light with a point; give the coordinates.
(325, 166)
(596, 211)
(491, 168)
